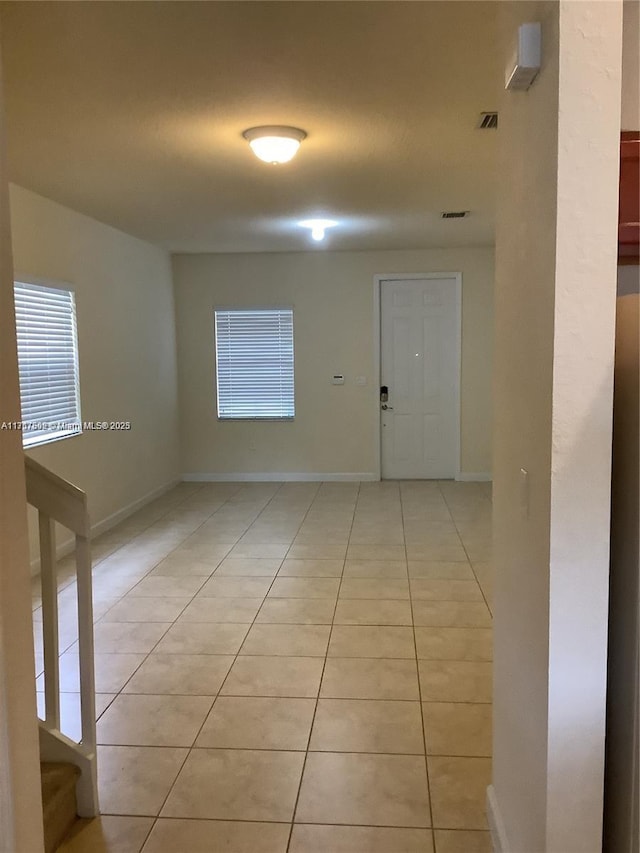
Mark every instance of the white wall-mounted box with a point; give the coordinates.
(525, 65)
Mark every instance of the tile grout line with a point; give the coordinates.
(152, 650)
(236, 492)
(188, 752)
(120, 693)
(264, 598)
(314, 751)
(479, 586)
(214, 820)
(205, 578)
(128, 542)
(94, 566)
(324, 665)
(415, 643)
(335, 698)
(99, 621)
(235, 658)
(325, 657)
(147, 836)
(291, 750)
(188, 536)
(464, 548)
(64, 586)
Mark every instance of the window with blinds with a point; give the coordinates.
(47, 362)
(254, 363)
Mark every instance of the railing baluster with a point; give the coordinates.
(48, 570)
(57, 500)
(85, 641)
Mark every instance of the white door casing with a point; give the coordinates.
(420, 323)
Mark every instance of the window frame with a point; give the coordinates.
(53, 435)
(248, 309)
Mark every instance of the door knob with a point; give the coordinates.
(385, 408)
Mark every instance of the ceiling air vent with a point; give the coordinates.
(487, 121)
(454, 214)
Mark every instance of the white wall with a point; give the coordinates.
(20, 800)
(555, 308)
(332, 295)
(127, 354)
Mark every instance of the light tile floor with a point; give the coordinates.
(290, 667)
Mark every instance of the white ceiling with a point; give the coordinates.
(132, 112)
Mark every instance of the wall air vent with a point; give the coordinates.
(487, 121)
(454, 214)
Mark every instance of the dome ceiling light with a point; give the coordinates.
(317, 226)
(274, 143)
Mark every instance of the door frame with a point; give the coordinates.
(456, 281)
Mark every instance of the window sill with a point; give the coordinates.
(253, 418)
(49, 438)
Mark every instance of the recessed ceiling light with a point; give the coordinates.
(274, 143)
(317, 226)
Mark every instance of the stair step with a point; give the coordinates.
(58, 801)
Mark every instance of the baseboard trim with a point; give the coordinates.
(284, 477)
(474, 477)
(66, 547)
(496, 824)
(116, 517)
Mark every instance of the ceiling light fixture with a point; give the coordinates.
(317, 226)
(274, 143)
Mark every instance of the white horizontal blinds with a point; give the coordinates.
(254, 363)
(48, 362)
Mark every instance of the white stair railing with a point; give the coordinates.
(57, 500)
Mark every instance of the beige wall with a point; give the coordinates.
(332, 296)
(555, 305)
(126, 342)
(20, 801)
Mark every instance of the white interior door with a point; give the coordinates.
(420, 365)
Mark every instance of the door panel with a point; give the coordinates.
(403, 438)
(420, 365)
(400, 372)
(433, 367)
(432, 439)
